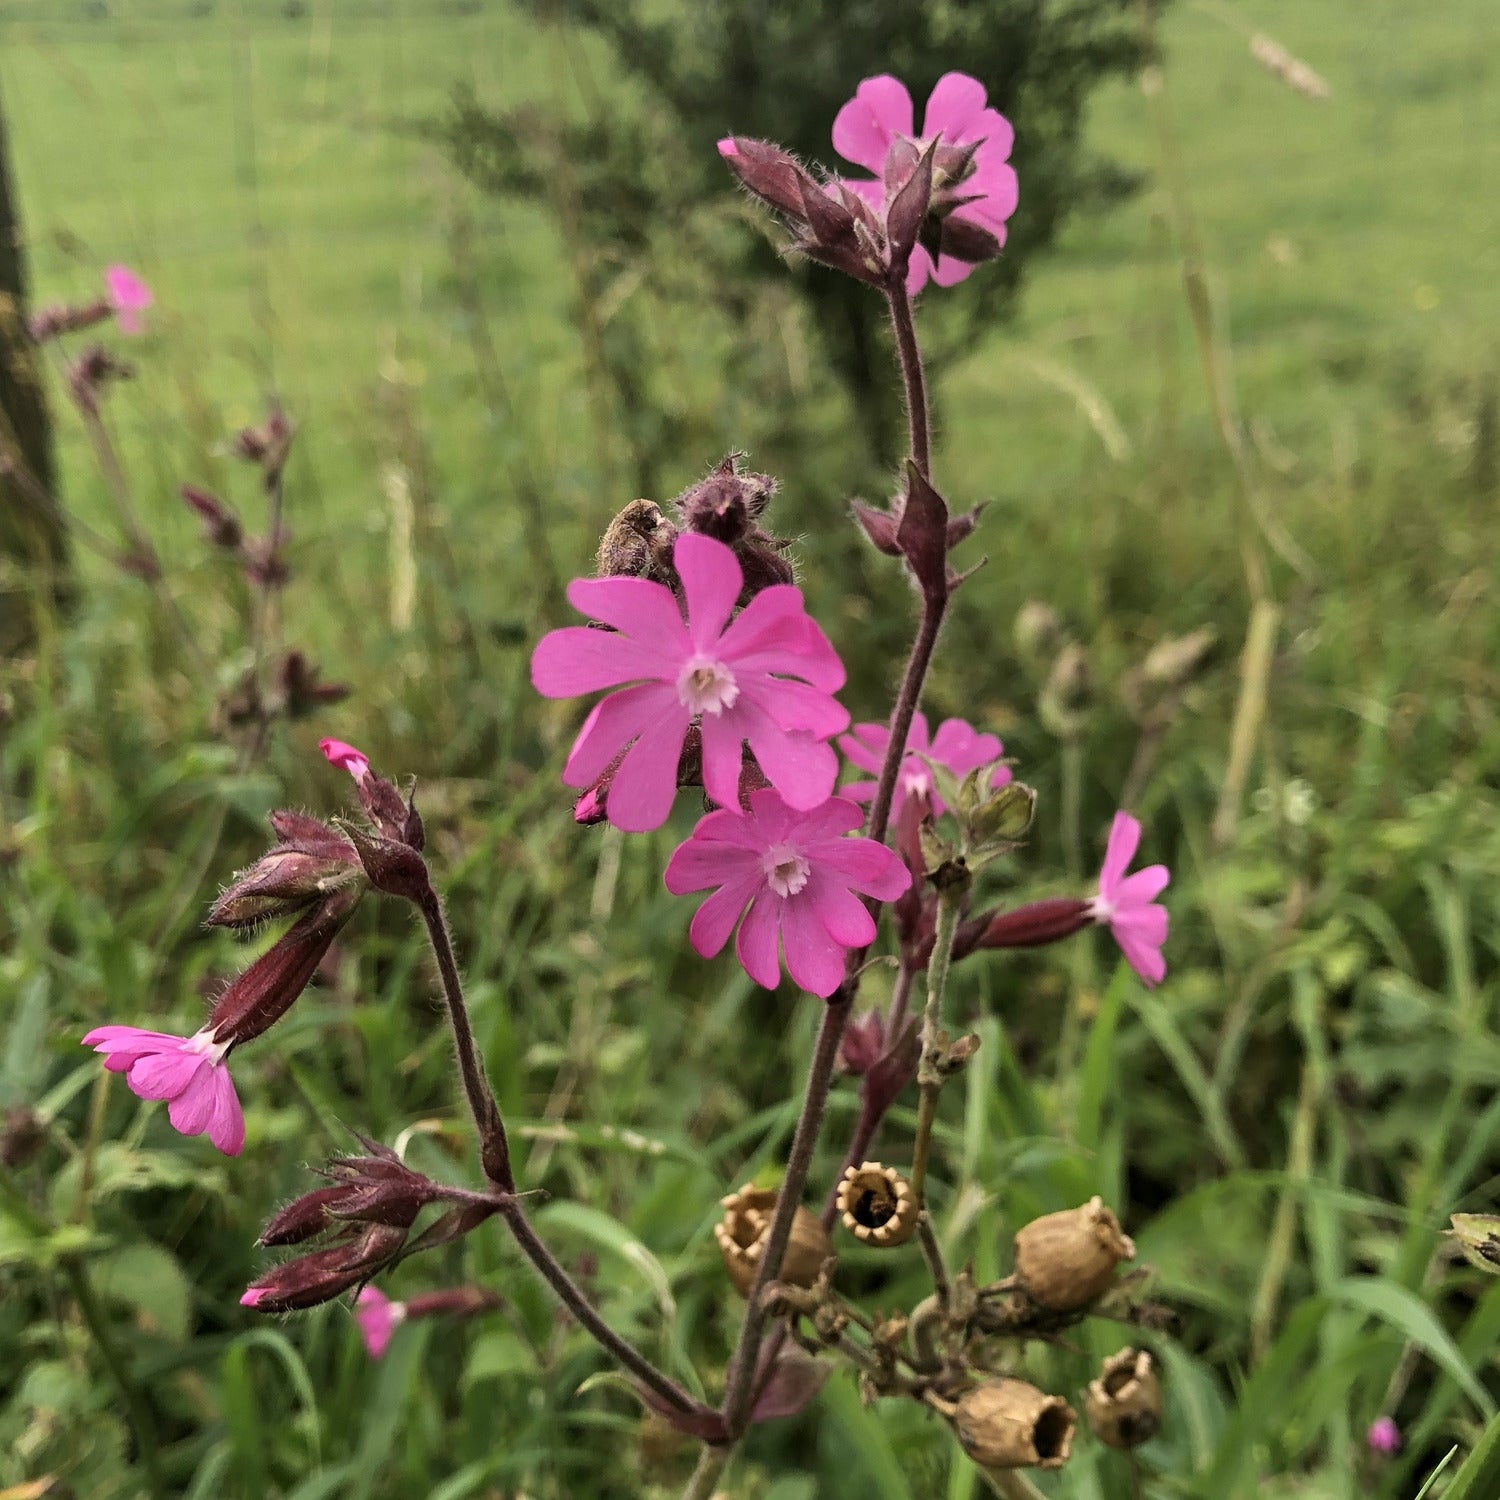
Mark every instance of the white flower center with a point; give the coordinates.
(706, 686)
(786, 870)
(204, 1042)
(916, 780)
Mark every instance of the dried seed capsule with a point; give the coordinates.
(1065, 1260)
(1124, 1403)
(1008, 1424)
(878, 1205)
(741, 1236)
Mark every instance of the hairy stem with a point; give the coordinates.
(929, 1074)
(495, 1155)
(919, 421)
(706, 1476)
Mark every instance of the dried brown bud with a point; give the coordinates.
(1008, 1424)
(878, 1205)
(638, 544)
(1124, 1404)
(22, 1134)
(1066, 1260)
(741, 1236)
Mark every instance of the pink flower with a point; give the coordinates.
(764, 676)
(1128, 902)
(1384, 1437)
(957, 745)
(794, 876)
(346, 758)
(187, 1071)
(880, 112)
(377, 1317)
(129, 296)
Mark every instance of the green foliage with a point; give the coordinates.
(1285, 1125)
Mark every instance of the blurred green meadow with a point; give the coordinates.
(1284, 1125)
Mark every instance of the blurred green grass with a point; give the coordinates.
(1310, 1093)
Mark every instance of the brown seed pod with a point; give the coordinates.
(741, 1236)
(878, 1205)
(1008, 1424)
(1065, 1260)
(1125, 1402)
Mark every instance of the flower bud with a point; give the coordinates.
(878, 1205)
(302, 1219)
(283, 882)
(1008, 1424)
(221, 526)
(1031, 926)
(325, 1274)
(741, 1236)
(727, 504)
(1064, 1261)
(62, 317)
(1124, 1403)
(638, 544)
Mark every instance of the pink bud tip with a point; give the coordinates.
(252, 1297)
(727, 147)
(1384, 1436)
(346, 758)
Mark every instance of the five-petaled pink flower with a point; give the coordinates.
(189, 1072)
(129, 296)
(377, 1317)
(766, 676)
(1128, 902)
(346, 758)
(957, 745)
(881, 110)
(795, 877)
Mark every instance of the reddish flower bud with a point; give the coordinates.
(302, 693)
(392, 867)
(265, 559)
(302, 828)
(455, 1301)
(221, 526)
(285, 881)
(266, 445)
(454, 1225)
(1030, 926)
(302, 1219)
(863, 1042)
(257, 998)
(91, 372)
(50, 322)
(325, 1274)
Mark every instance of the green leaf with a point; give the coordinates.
(497, 1354)
(1479, 1479)
(600, 1229)
(149, 1279)
(1414, 1320)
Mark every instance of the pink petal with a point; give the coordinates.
(727, 147)
(130, 1038)
(756, 944)
(1001, 191)
(165, 1075)
(711, 582)
(635, 606)
(863, 128)
(860, 791)
(950, 271)
(126, 289)
(1145, 959)
(614, 722)
(192, 1109)
(346, 758)
(130, 321)
(842, 913)
(645, 784)
(962, 749)
(1124, 839)
(1148, 924)
(794, 705)
(730, 828)
(801, 768)
(226, 1126)
(918, 271)
(813, 959)
(864, 866)
(698, 864)
(774, 633)
(723, 757)
(578, 659)
(714, 920)
(771, 818)
(373, 1312)
(956, 103)
(1144, 886)
(991, 128)
(864, 748)
(872, 190)
(822, 827)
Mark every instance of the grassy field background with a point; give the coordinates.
(1286, 1124)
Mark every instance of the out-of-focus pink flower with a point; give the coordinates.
(346, 758)
(957, 745)
(1128, 902)
(189, 1072)
(1384, 1437)
(377, 1317)
(796, 879)
(880, 115)
(766, 676)
(129, 296)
